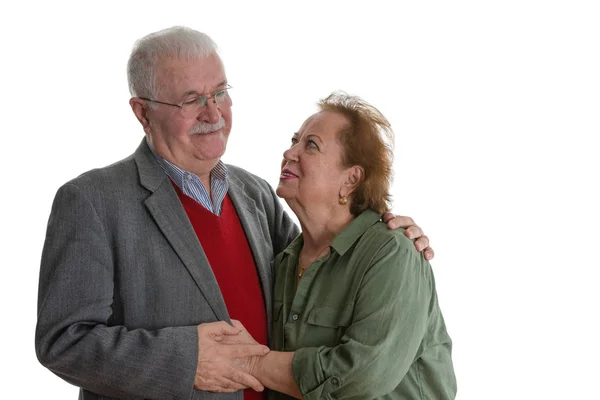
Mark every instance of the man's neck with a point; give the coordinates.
(201, 168)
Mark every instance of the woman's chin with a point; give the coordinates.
(283, 192)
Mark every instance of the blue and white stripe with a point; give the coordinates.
(191, 185)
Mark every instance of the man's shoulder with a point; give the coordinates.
(110, 177)
(247, 178)
(239, 172)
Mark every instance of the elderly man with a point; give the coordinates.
(148, 260)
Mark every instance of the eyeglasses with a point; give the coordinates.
(197, 104)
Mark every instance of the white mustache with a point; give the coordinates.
(205, 127)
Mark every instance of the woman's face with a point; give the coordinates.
(311, 170)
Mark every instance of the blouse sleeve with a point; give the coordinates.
(388, 324)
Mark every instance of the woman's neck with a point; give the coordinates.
(320, 228)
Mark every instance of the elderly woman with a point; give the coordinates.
(356, 313)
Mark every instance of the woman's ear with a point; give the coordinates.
(356, 174)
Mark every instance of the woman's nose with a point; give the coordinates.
(291, 154)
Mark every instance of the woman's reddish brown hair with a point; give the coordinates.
(367, 141)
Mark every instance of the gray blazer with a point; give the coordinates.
(124, 280)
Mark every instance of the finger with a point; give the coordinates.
(239, 328)
(413, 232)
(237, 339)
(230, 385)
(237, 324)
(400, 222)
(223, 385)
(242, 350)
(422, 243)
(429, 254)
(243, 378)
(217, 328)
(244, 339)
(217, 377)
(387, 216)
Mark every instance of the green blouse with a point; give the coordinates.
(364, 320)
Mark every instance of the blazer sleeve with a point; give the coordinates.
(389, 322)
(73, 337)
(283, 229)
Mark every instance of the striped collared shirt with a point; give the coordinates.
(191, 185)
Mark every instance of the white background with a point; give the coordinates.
(495, 105)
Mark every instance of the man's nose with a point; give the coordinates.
(211, 114)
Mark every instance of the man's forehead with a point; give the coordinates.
(198, 76)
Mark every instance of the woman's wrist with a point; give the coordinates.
(261, 367)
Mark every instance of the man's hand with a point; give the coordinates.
(248, 364)
(412, 232)
(219, 349)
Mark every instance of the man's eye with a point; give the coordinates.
(190, 102)
(196, 101)
(220, 95)
(311, 143)
(294, 141)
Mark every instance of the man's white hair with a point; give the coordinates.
(178, 42)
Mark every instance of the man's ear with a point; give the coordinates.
(140, 110)
(356, 174)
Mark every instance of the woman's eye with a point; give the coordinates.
(311, 143)
(294, 141)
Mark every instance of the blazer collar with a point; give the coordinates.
(253, 219)
(170, 216)
(151, 174)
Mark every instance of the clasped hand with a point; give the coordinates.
(226, 356)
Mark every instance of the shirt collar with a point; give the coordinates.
(345, 239)
(294, 248)
(177, 174)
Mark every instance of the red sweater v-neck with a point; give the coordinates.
(226, 247)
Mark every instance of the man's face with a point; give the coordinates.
(192, 142)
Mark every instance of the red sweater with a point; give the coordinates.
(226, 247)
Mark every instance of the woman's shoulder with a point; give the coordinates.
(389, 256)
(379, 235)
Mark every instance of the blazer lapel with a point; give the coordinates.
(170, 216)
(249, 218)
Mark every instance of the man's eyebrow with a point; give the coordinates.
(218, 86)
(190, 92)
